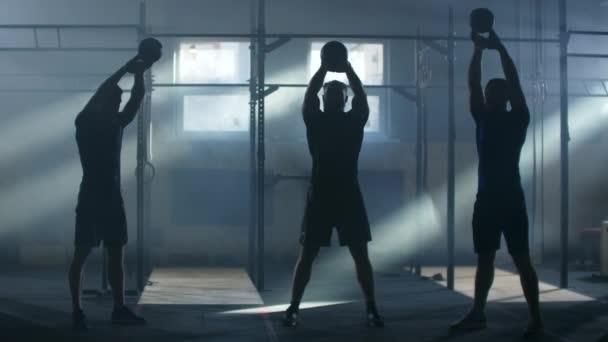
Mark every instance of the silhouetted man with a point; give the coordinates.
(334, 198)
(100, 213)
(500, 207)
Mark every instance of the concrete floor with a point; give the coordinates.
(222, 305)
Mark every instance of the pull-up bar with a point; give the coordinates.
(336, 36)
(279, 85)
(587, 55)
(588, 33)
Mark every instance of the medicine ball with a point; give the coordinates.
(150, 50)
(334, 55)
(482, 20)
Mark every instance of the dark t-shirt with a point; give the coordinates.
(99, 139)
(500, 137)
(334, 142)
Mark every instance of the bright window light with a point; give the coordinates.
(216, 113)
(373, 123)
(212, 62)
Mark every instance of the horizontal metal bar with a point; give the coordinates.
(587, 55)
(200, 35)
(91, 90)
(49, 90)
(589, 79)
(280, 85)
(292, 85)
(192, 85)
(522, 40)
(590, 33)
(578, 95)
(333, 36)
(54, 74)
(64, 49)
(68, 26)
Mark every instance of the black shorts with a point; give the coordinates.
(100, 217)
(339, 207)
(499, 213)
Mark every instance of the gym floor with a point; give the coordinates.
(196, 304)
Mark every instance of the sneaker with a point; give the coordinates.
(79, 321)
(291, 318)
(374, 319)
(124, 316)
(469, 323)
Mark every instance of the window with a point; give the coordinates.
(373, 123)
(211, 109)
(213, 62)
(368, 61)
(216, 113)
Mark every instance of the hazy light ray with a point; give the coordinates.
(28, 200)
(282, 308)
(38, 128)
(587, 118)
(45, 123)
(411, 229)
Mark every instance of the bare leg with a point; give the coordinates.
(116, 275)
(365, 273)
(121, 314)
(75, 275)
(529, 284)
(301, 277)
(302, 273)
(484, 277)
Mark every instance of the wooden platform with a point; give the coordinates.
(507, 287)
(200, 286)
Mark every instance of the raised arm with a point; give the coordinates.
(137, 94)
(312, 104)
(476, 100)
(516, 94)
(106, 86)
(360, 104)
(117, 76)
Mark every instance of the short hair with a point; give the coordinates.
(335, 84)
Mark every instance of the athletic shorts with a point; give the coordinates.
(338, 207)
(100, 217)
(500, 213)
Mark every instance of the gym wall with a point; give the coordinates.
(41, 178)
